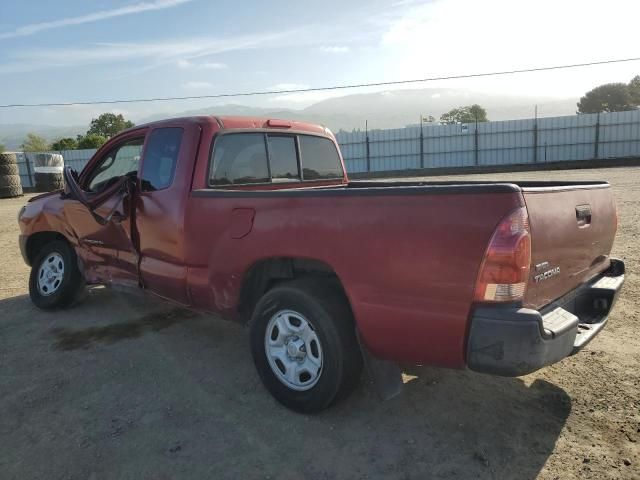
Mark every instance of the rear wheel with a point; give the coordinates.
(55, 280)
(304, 345)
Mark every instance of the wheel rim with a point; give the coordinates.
(293, 350)
(50, 274)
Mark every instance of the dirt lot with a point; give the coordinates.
(126, 387)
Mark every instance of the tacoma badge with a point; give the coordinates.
(547, 274)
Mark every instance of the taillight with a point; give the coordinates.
(504, 271)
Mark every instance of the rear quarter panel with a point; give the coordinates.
(408, 263)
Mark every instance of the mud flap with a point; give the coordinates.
(386, 376)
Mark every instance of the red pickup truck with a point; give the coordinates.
(256, 220)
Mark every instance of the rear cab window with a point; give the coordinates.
(239, 159)
(320, 159)
(283, 157)
(265, 158)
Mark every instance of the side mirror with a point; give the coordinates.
(120, 186)
(71, 186)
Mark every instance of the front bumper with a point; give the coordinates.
(512, 341)
(22, 241)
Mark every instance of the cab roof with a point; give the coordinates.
(240, 122)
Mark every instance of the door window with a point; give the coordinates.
(122, 160)
(160, 158)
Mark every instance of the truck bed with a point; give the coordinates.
(401, 187)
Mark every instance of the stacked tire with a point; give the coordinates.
(48, 172)
(10, 185)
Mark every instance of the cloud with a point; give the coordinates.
(404, 3)
(287, 86)
(186, 64)
(431, 39)
(156, 53)
(33, 28)
(334, 49)
(302, 99)
(196, 85)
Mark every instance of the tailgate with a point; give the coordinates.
(572, 232)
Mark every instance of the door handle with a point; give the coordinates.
(583, 215)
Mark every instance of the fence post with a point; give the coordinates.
(535, 137)
(596, 145)
(421, 145)
(366, 131)
(535, 142)
(26, 161)
(475, 145)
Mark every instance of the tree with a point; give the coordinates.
(469, 114)
(634, 90)
(108, 124)
(91, 140)
(1, 148)
(610, 97)
(34, 143)
(64, 144)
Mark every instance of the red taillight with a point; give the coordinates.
(504, 271)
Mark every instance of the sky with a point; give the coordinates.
(86, 50)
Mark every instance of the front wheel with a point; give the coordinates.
(55, 279)
(304, 345)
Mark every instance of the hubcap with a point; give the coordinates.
(50, 274)
(293, 350)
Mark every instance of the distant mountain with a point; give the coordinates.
(230, 109)
(397, 108)
(12, 135)
(388, 109)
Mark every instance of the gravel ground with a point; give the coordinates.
(123, 386)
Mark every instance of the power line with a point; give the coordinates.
(318, 89)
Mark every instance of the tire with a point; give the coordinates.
(9, 169)
(10, 191)
(49, 295)
(10, 181)
(8, 158)
(330, 341)
(49, 182)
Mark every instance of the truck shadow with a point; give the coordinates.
(72, 339)
(193, 396)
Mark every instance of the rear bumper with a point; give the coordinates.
(512, 341)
